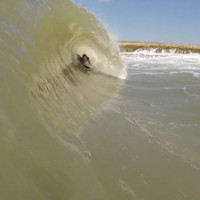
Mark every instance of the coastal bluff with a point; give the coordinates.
(131, 46)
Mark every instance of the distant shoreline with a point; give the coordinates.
(130, 46)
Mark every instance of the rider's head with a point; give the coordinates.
(84, 57)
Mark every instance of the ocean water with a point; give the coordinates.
(128, 130)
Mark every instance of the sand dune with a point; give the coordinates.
(180, 48)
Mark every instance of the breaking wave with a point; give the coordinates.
(40, 41)
(46, 99)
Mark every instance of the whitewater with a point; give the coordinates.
(128, 130)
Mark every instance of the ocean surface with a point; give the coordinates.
(129, 130)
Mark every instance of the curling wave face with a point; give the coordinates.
(39, 46)
(46, 100)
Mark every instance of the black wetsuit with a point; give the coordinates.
(84, 63)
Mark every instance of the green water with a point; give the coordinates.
(70, 135)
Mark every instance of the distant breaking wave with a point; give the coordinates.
(152, 51)
(149, 52)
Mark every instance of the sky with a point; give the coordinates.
(167, 21)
